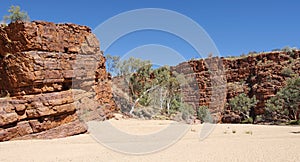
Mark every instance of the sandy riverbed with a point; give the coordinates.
(227, 142)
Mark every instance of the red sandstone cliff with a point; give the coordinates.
(53, 77)
(220, 79)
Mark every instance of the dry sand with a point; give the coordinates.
(227, 142)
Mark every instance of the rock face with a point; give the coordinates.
(214, 81)
(53, 77)
(220, 79)
(207, 84)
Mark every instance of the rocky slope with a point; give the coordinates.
(53, 77)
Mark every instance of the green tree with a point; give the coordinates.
(169, 88)
(111, 64)
(146, 83)
(287, 100)
(132, 70)
(16, 14)
(242, 103)
(127, 67)
(140, 82)
(274, 108)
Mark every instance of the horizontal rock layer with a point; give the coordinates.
(216, 80)
(30, 114)
(36, 72)
(47, 36)
(53, 78)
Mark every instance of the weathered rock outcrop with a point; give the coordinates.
(220, 79)
(52, 77)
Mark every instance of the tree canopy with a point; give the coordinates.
(158, 87)
(287, 100)
(242, 103)
(16, 14)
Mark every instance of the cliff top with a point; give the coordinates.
(45, 36)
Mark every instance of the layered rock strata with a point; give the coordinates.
(220, 79)
(53, 77)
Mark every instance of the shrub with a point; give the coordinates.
(202, 113)
(187, 111)
(294, 122)
(242, 103)
(249, 132)
(286, 101)
(289, 50)
(247, 121)
(16, 14)
(287, 71)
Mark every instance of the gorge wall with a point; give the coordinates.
(53, 77)
(214, 81)
(220, 79)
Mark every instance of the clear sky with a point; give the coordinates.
(236, 26)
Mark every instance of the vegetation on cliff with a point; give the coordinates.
(252, 81)
(16, 14)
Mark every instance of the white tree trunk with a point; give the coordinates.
(168, 106)
(137, 100)
(161, 99)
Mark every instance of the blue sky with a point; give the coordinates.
(235, 26)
